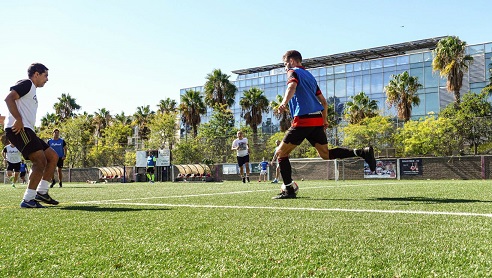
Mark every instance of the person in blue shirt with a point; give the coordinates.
(60, 147)
(263, 170)
(150, 167)
(23, 171)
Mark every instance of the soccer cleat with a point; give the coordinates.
(30, 204)
(368, 154)
(52, 183)
(288, 191)
(60, 184)
(247, 178)
(13, 185)
(285, 195)
(45, 198)
(244, 180)
(275, 181)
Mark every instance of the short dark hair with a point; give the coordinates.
(294, 54)
(36, 67)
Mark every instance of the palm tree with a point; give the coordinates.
(218, 89)
(284, 117)
(122, 118)
(360, 107)
(401, 92)
(166, 106)
(450, 59)
(191, 107)
(65, 107)
(50, 119)
(141, 118)
(253, 105)
(101, 120)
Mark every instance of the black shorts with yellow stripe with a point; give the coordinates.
(26, 141)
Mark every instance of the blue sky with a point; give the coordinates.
(119, 54)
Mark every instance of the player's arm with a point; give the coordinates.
(292, 81)
(234, 146)
(64, 149)
(12, 106)
(323, 102)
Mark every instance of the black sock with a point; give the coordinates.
(341, 153)
(285, 169)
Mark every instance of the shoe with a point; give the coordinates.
(52, 183)
(30, 204)
(244, 180)
(285, 195)
(368, 154)
(288, 192)
(60, 184)
(275, 181)
(247, 178)
(45, 198)
(259, 181)
(13, 185)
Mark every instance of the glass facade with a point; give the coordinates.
(340, 82)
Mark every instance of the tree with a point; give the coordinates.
(253, 105)
(360, 107)
(284, 117)
(101, 120)
(401, 92)
(49, 120)
(65, 107)
(451, 60)
(141, 118)
(375, 131)
(77, 132)
(167, 106)
(218, 89)
(122, 118)
(164, 129)
(191, 108)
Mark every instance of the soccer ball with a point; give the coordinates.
(295, 186)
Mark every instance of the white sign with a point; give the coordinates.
(141, 159)
(164, 158)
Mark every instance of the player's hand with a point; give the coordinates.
(17, 126)
(282, 107)
(325, 125)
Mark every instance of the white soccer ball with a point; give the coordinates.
(295, 186)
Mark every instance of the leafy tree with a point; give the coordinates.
(473, 119)
(122, 118)
(188, 152)
(451, 60)
(217, 135)
(191, 108)
(49, 120)
(219, 90)
(284, 117)
(167, 106)
(428, 136)
(65, 107)
(401, 92)
(360, 107)
(376, 131)
(164, 129)
(141, 119)
(253, 105)
(101, 120)
(77, 132)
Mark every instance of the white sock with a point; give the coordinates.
(355, 152)
(29, 194)
(43, 186)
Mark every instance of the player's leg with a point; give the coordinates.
(42, 188)
(240, 163)
(246, 164)
(59, 167)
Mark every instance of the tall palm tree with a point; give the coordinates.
(401, 92)
(65, 107)
(284, 117)
(191, 107)
(141, 118)
(101, 120)
(450, 60)
(218, 89)
(167, 106)
(253, 104)
(360, 107)
(122, 118)
(49, 119)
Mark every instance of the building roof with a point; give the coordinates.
(355, 56)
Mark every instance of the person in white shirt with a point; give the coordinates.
(240, 145)
(12, 156)
(22, 104)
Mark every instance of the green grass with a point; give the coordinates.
(344, 229)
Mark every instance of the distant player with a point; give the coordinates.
(241, 146)
(60, 146)
(151, 161)
(23, 172)
(263, 170)
(12, 156)
(275, 160)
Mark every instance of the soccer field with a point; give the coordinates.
(373, 228)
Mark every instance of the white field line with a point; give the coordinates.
(308, 209)
(230, 193)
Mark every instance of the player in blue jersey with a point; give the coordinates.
(263, 170)
(60, 147)
(308, 107)
(151, 162)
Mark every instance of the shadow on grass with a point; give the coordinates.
(428, 200)
(107, 209)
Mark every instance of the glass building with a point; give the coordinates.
(341, 76)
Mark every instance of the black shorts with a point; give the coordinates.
(150, 170)
(14, 167)
(22, 174)
(59, 164)
(241, 160)
(314, 134)
(26, 141)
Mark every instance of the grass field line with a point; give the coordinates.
(228, 193)
(419, 212)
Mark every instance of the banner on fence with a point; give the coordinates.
(385, 169)
(411, 167)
